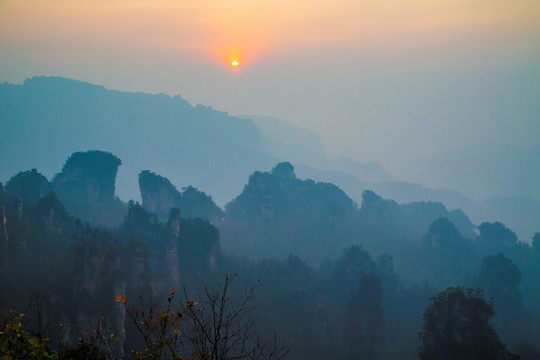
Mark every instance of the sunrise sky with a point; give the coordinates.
(380, 80)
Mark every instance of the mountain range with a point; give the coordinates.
(47, 118)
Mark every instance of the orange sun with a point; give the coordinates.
(235, 63)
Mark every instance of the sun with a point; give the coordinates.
(235, 63)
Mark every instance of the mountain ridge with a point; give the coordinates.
(190, 145)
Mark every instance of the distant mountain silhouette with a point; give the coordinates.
(502, 179)
(302, 146)
(499, 170)
(159, 196)
(47, 118)
(278, 213)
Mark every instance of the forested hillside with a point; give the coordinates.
(333, 279)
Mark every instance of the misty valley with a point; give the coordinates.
(337, 280)
(229, 251)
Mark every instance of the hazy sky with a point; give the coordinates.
(380, 80)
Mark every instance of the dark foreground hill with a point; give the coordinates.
(364, 300)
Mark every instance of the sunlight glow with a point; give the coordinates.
(212, 30)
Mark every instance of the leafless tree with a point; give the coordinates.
(218, 328)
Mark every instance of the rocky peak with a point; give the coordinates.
(29, 186)
(158, 194)
(88, 176)
(174, 221)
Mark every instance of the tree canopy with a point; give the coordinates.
(457, 326)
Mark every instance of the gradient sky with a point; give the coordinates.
(380, 80)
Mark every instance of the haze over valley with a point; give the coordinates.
(194, 145)
(270, 180)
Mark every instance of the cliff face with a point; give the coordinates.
(159, 243)
(28, 186)
(159, 196)
(196, 203)
(87, 268)
(86, 186)
(171, 251)
(97, 276)
(89, 176)
(52, 214)
(139, 127)
(79, 266)
(277, 214)
(3, 236)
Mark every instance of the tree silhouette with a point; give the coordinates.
(364, 330)
(456, 326)
(500, 278)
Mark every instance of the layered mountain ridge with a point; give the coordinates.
(47, 118)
